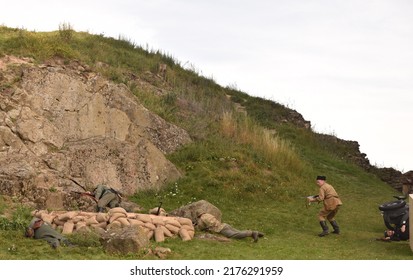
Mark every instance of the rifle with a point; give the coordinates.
(73, 180)
(308, 198)
(118, 194)
(159, 209)
(86, 194)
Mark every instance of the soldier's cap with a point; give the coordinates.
(321, 177)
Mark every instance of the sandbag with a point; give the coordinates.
(156, 220)
(91, 220)
(190, 229)
(173, 221)
(184, 221)
(114, 224)
(117, 210)
(134, 222)
(38, 213)
(157, 227)
(102, 217)
(159, 235)
(124, 221)
(79, 225)
(149, 226)
(166, 231)
(131, 215)
(67, 216)
(87, 214)
(144, 218)
(100, 225)
(47, 218)
(150, 234)
(183, 233)
(115, 216)
(58, 222)
(68, 227)
(172, 228)
(78, 218)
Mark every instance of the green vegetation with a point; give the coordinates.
(255, 168)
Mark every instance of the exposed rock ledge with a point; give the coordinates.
(59, 122)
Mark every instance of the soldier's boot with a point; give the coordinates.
(67, 243)
(335, 227)
(246, 233)
(54, 244)
(324, 226)
(255, 236)
(100, 209)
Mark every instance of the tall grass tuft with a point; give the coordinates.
(244, 130)
(66, 31)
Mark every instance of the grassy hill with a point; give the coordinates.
(255, 166)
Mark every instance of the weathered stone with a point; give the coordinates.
(162, 252)
(54, 201)
(124, 240)
(63, 121)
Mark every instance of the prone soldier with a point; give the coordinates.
(38, 229)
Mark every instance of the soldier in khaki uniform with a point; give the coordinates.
(328, 195)
(208, 222)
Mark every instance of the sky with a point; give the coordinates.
(345, 65)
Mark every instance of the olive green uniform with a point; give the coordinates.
(46, 232)
(106, 197)
(208, 222)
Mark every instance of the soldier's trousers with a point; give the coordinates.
(109, 199)
(327, 214)
(231, 232)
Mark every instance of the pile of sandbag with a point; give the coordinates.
(157, 227)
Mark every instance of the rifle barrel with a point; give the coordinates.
(159, 209)
(85, 193)
(74, 181)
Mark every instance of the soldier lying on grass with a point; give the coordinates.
(208, 222)
(38, 229)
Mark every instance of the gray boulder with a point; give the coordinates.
(125, 240)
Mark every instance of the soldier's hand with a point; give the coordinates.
(311, 199)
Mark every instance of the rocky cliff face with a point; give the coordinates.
(64, 121)
(350, 150)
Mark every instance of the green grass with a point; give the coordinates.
(255, 168)
(290, 228)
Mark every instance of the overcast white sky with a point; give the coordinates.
(345, 65)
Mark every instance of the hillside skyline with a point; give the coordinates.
(344, 66)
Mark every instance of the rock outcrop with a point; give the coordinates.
(350, 150)
(64, 121)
